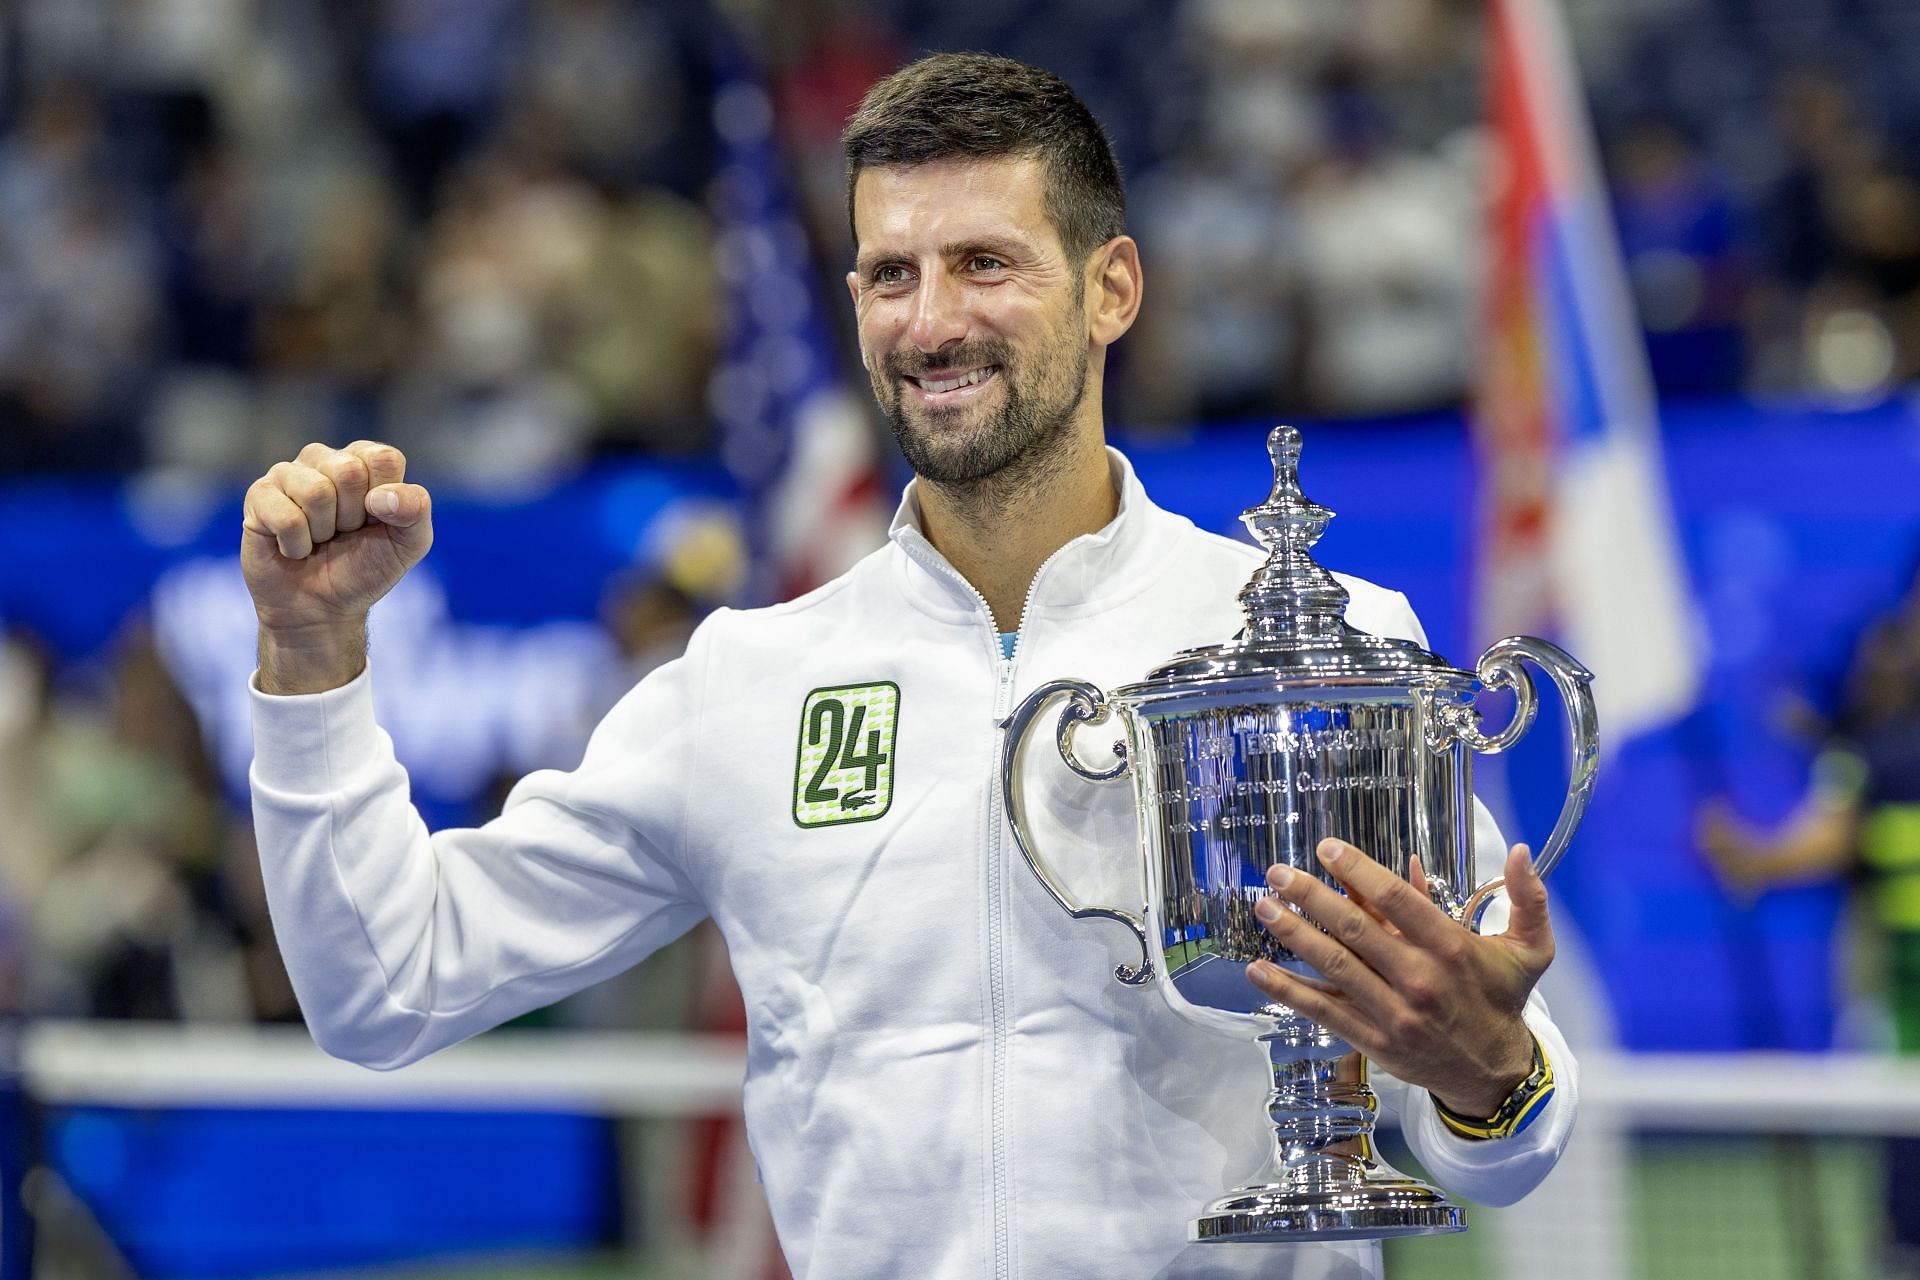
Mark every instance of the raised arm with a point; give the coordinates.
(400, 942)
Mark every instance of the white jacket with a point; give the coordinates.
(943, 1078)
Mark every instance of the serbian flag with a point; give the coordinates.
(1576, 534)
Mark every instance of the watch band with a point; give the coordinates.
(1521, 1108)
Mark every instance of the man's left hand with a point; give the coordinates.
(1425, 998)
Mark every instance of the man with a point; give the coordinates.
(941, 1080)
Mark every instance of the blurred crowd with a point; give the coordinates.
(130, 893)
(231, 226)
(130, 886)
(480, 229)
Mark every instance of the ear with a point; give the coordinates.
(1114, 287)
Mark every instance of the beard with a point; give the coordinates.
(966, 447)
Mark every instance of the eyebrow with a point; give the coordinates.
(984, 244)
(1001, 246)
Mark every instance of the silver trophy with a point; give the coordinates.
(1249, 753)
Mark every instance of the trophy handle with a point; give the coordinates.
(1499, 668)
(1085, 703)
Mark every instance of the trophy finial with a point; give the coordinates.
(1283, 446)
(1290, 595)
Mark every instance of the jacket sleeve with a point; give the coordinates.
(399, 942)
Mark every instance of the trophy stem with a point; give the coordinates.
(1324, 1181)
(1321, 1107)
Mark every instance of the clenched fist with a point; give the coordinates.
(323, 538)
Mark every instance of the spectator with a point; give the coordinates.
(78, 294)
(126, 905)
(1681, 240)
(436, 72)
(1861, 821)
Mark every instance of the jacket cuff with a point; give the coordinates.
(1525, 1104)
(308, 743)
(1501, 1170)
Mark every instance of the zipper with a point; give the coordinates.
(999, 1201)
(1003, 690)
(927, 558)
(923, 554)
(1003, 699)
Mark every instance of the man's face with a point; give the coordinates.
(972, 320)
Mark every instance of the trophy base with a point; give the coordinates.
(1378, 1209)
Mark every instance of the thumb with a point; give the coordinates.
(406, 510)
(1528, 922)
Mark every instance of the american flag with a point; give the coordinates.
(802, 449)
(795, 437)
(1576, 532)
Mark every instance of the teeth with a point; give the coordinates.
(966, 379)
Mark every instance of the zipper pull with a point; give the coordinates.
(1003, 694)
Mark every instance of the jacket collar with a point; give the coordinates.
(1092, 572)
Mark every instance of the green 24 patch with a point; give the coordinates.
(844, 764)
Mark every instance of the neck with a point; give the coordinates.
(998, 531)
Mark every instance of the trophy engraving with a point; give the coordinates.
(1244, 756)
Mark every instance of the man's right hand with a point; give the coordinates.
(324, 536)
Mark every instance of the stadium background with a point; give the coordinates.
(528, 241)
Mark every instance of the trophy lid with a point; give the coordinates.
(1296, 624)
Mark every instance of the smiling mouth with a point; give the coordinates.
(954, 381)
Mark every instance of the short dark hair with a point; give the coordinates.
(978, 106)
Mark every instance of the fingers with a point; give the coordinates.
(1417, 877)
(1348, 925)
(399, 505)
(1529, 922)
(348, 474)
(385, 464)
(314, 494)
(407, 511)
(1398, 906)
(1331, 954)
(325, 491)
(1408, 908)
(1316, 1000)
(271, 513)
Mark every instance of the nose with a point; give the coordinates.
(939, 314)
